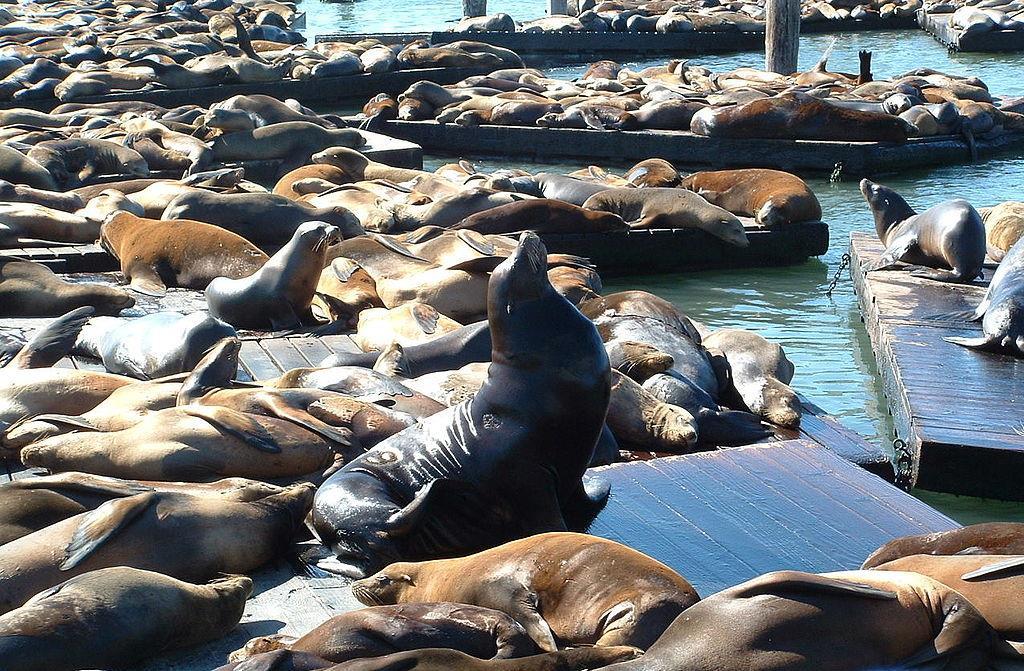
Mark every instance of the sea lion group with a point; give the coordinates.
(741, 103)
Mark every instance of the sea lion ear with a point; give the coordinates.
(101, 524)
(405, 577)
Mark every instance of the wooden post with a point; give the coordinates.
(474, 7)
(782, 36)
(558, 7)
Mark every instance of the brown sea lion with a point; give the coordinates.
(992, 583)
(991, 538)
(344, 290)
(641, 421)
(772, 197)
(541, 215)
(572, 588)
(117, 616)
(292, 142)
(1004, 225)
(33, 391)
(382, 630)
(408, 324)
(848, 621)
(211, 537)
(22, 223)
(654, 172)
(669, 208)
(279, 293)
(155, 254)
(30, 289)
(640, 304)
(359, 168)
(286, 186)
(575, 284)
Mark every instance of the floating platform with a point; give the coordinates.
(937, 25)
(959, 410)
(718, 518)
(321, 92)
(851, 159)
(655, 251)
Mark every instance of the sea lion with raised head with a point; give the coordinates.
(155, 254)
(948, 238)
(212, 536)
(118, 616)
(406, 499)
(547, 583)
(772, 197)
(278, 295)
(847, 621)
(989, 538)
(30, 289)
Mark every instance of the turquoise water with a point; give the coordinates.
(822, 335)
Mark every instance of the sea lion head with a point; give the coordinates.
(135, 166)
(729, 228)
(317, 236)
(229, 120)
(637, 360)
(231, 594)
(350, 161)
(888, 207)
(216, 369)
(386, 586)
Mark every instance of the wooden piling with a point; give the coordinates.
(474, 7)
(782, 36)
(558, 7)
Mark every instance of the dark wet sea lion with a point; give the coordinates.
(1001, 311)
(30, 289)
(798, 116)
(772, 197)
(541, 215)
(549, 584)
(992, 583)
(117, 616)
(992, 538)
(212, 537)
(382, 630)
(155, 254)
(788, 620)
(279, 293)
(405, 499)
(948, 238)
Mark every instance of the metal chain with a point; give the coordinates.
(903, 464)
(843, 263)
(837, 173)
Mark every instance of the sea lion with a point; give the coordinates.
(408, 324)
(33, 391)
(798, 116)
(991, 538)
(669, 208)
(1004, 225)
(359, 168)
(541, 215)
(212, 536)
(49, 345)
(118, 616)
(20, 169)
(343, 291)
(155, 254)
(640, 304)
(654, 173)
(636, 360)
(761, 373)
(291, 142)
(575, 284)
(948, 238)
(265, 110)
(57, 200)
(546, 582)
(772, 197)
(557, 187)
(278, 295)
(847, 621)
(382, 630)
(990, 582)
(30, 289)
(80, 160)
(22, 223)
(639, 420)
(385, 506)
(451, 387)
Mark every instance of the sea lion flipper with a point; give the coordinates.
(393, 362)
(983, 342)
(476, 241)
(431, 502)
(892, 254)
(237, 424)
(426, 317)
(996, 567)
(99, 525)
(148, 283)
(591, 119)
(524, 609)
(278, 408)
(480, 264)
(54, 341)
(85, 483)
(586, 502)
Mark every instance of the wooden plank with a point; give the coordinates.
(312, 350)
(283, 353)
(256, 361)
(959, 410)
(340, 343)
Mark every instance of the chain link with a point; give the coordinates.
(843, 263)
(903, 464)
(837, 173)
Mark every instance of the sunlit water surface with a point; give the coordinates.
(823, 335)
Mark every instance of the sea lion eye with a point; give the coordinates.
(383, 580)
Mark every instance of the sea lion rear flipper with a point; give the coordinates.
(960, 631)
(237, 424)
(146, 281)
(591, 119)
(781, 582)
(54, 341)
(66, 420)
(426, 317)
(393, 362)
(476, 241)
(99, 525)
(993, 568)
(982, 343)
(892, 255)
(524, 609)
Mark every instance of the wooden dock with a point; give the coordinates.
(851, 159)
(937, 25)
(321, 91)
(959, 410)
(679, 250)
(718, 518)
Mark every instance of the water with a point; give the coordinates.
(823, 336)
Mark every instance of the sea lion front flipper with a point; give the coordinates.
(393, 362)
(53, 342)
(84, 483)
(450, 514)
(995, 253)
(146, 281)
(275, 407)
(237, 424)
(961, 629)
(591, 119)
(476, 241)
(892, 254)
(586, 502)
(99, 525)
(426, 317)
(939, 275)
(993, 568)
(982, 343)
(480, 264)
(524, 609)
